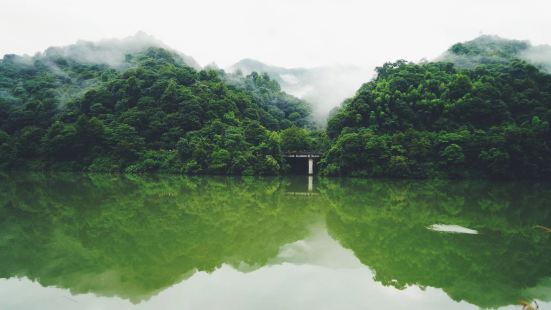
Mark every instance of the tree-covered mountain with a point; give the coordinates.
(323, 87)
(489, 118)
(60, 74)
(114, 52)
(481, 110)
(488, 49)
(150, 112)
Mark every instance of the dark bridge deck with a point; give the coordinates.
(302, 154)
(309, 156)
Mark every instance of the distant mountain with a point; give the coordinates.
(115, 107)
(489, 49)
(324, 87)
(111, 52)
(67, 72)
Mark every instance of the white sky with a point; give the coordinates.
(281, 32)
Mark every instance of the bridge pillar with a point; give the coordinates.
(310, 166)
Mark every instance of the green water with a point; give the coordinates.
(70, 241)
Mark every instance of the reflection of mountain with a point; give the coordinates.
(386, 229)
(324, 87)
(132, 236)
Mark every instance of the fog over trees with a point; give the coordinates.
(482, 109)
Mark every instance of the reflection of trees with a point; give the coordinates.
(131, 237)
(385, 226)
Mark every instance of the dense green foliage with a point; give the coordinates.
(437, 120)
(157, 114)
(485, 50)
(480, 111)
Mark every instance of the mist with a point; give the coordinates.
(107, 52)
(328, 87)
(539, 55)
(324, 87)
(495, 49)
(111, 52)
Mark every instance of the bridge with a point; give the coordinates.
(309, 155)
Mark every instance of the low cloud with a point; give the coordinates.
(323, 87)
(494, 49)
(539, 55)
(111, 52)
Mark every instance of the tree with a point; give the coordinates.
(295, 139)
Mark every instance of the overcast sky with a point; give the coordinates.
(281, 32)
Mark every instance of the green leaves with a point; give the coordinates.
(446, 121)
(158, 114)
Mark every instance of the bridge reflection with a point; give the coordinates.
(302, 187)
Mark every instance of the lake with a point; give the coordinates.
(93, 241)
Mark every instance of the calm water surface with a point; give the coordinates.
(73, 241)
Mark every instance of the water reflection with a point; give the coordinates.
(134, 237)
(386, 229)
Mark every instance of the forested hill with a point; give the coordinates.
(60, 74)
(324, 87)
(483, 109)
(488, 119)
(488, 49)
(152, 113)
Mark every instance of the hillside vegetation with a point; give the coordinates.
(445, 119)
(481, 110)
(154, 113)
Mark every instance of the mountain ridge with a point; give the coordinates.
(325, 87)
(487, 49)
